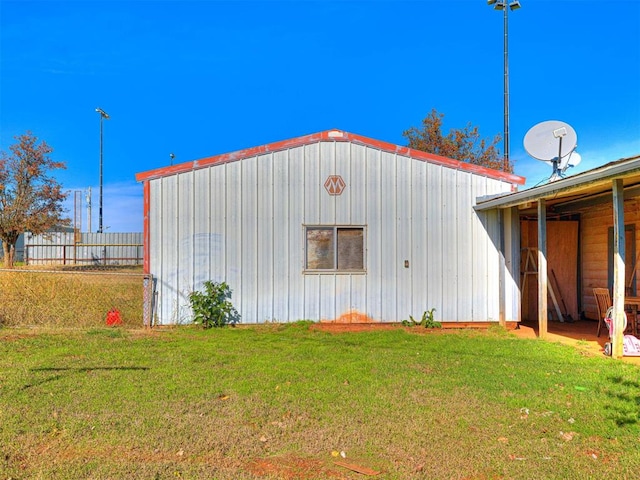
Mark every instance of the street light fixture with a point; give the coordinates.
(103, 115)
(502, 5)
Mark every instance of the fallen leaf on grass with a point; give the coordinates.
(567, 436)
(503, 439)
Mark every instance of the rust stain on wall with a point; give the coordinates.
(352, 316)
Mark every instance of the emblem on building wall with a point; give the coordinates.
(334, 185)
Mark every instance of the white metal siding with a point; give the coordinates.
(233, 234)
(202, 237)
(435, 220)
(185, 228)
(281, 236)
(465, 259)
(386, 234)
(293, 201)
(243, 222)
(419, 263)
(376, 251)
(403, 187)
(265, 246)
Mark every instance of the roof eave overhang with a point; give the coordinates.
(602, 175)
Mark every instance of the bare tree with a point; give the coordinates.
(30, 199)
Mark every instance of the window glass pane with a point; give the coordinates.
(320, 249)
(350, 249)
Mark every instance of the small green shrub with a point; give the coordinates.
(212, 308)
(427, 321)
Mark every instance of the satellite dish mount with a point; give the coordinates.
(554, 143)
(558, 133)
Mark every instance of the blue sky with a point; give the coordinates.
(199, 78)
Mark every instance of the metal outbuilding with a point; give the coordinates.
(332, 226)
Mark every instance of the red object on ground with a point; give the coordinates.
(113, 317)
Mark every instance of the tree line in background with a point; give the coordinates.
(31, 198)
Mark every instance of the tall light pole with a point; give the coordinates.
(502, 5)
(89, 209)
(103, 115)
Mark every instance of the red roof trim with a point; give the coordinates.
(328, 135)
(146, 195)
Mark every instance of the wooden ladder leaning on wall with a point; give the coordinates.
(531, 268)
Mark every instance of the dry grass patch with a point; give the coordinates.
(68, 299)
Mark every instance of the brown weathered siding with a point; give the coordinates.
(594, 239)
(562, 247)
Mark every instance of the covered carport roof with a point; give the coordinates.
(572, 193)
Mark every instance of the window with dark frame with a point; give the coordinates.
(335, 248)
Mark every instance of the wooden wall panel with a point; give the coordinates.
(595, 249)
(562, 259)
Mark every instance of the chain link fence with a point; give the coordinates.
(74, 297)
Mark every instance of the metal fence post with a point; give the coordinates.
(148, 300)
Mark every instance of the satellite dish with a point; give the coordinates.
(554, 143)
(573, 159)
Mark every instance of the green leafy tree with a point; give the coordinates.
(30, 199)
(460, 144)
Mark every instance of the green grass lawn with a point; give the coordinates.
(282, 401)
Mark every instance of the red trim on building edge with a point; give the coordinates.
(146, 201)
(328, 135)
